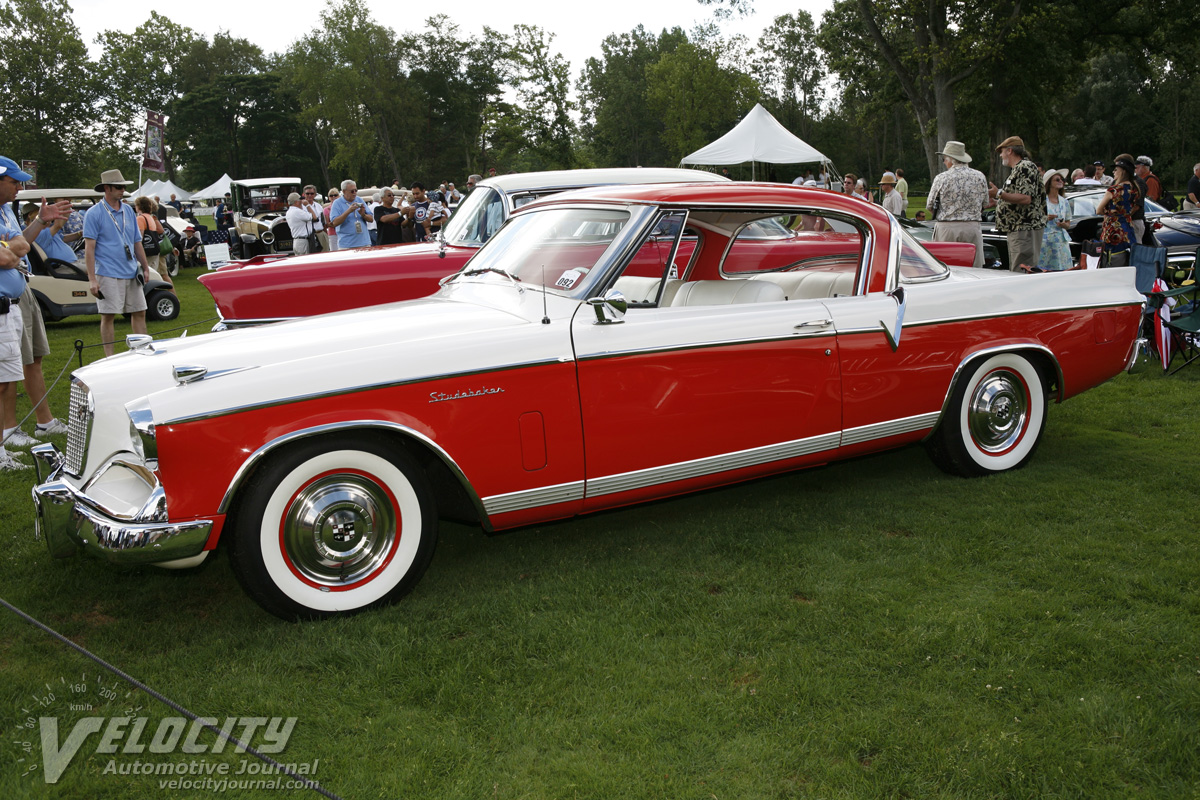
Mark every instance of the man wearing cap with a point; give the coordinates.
(1143, 169)
(115, 258)
(13, 247)
(1020, 205)
(892, 201)
(1101, 178)
(956, 200)
(41, 222)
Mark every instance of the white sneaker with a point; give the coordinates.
(20, 438)
(54, 428)
(9, 463)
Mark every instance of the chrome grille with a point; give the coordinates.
(79, 428)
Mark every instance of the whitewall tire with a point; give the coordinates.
(333, 527)
(995, 417)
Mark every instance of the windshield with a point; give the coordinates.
(477, 218)
(267, 199)
(557, 247)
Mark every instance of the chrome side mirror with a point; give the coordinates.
(610, 309)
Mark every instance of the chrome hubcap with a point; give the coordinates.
(339, 529)
(998, 410)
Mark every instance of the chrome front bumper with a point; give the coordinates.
(69, 521)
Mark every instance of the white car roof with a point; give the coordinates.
(572, 178)
(56, 194)
(264, 181)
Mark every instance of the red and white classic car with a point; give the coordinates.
(323, 451)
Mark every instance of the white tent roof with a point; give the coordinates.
(162, 189)
(758, 137)
(218, 189)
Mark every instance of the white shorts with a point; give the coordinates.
(10, 346)
(121, 295)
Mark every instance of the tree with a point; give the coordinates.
(46, 111)
(791, 71)
(620, 125)
(931, 47)
(698, 98)
(141, 72)
(543, 80)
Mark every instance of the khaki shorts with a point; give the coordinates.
(121, 295)
(34, 343)
(10, 346)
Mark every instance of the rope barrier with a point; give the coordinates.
(307, 782)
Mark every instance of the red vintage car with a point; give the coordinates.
(270, 288)
(605, 347)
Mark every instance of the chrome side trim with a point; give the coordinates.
(227, 324)
(355, 389)
(373, 424)
(919, 323)
(893, 427)
(623, 482)
(531, 498)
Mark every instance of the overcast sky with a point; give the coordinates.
(578, 28)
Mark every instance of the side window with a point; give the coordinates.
(651, 274)
(810, 255)
(916, 263)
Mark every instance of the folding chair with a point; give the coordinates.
(1149, 263)
(1178, 330)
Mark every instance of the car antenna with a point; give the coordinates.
(545, 313)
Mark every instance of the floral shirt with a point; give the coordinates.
(959, 194)
(1023, 179)
(1117, 229)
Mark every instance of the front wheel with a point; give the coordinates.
(333, 527)
(994, 420)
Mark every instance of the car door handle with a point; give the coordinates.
(813, 324)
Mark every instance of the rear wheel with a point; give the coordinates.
(329, 528)
(161, 305)
(994, 420)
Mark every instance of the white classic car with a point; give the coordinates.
(737, 330)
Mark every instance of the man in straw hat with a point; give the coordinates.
(1020, 205)
(956, 200)
(115, 258)
(892, 201)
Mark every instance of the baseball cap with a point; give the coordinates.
(11, 169)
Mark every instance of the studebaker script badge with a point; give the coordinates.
(438, 397)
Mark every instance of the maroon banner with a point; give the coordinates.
(31, 168)
(153, 159)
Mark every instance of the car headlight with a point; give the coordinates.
(141, 431)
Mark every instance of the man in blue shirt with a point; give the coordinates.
(115, 258)
(12, 285)
(350, 216)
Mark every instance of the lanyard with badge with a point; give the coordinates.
(120, 229)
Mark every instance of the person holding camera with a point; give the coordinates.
(349, 215)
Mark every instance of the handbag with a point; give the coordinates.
(314, 242)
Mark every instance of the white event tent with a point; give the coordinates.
(218, 189)
(758, 137)
(162, 189)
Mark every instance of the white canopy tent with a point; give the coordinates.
(758, 137)
(162, 189)
(219, 188)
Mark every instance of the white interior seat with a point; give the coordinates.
(718, 293)
(639, 289)
(809, 284)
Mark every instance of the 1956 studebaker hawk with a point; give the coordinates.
(733, 340)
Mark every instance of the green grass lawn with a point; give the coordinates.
(873, 629)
